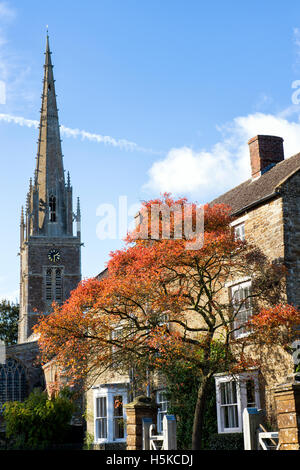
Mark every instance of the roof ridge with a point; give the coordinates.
(252, 191)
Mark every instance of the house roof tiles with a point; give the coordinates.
(255, 191)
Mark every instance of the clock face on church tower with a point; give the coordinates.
(54, 255)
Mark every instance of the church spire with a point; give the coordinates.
(49, 251)
(49, 180)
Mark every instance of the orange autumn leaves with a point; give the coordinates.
(275, 325)
(150, 287)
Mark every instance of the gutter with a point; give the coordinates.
(256, 203)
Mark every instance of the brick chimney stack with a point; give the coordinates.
(265, 152)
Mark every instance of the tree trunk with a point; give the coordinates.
(199, 413)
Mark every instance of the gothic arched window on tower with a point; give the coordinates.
(52, 209)
(54, 288)
(13, 382)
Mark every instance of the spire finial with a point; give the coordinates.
(48, 52)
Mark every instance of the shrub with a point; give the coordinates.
(234, 441)
(38, 422)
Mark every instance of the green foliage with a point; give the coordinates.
(9, 315)
(183, 381)
(210, 415)
(226, 441)
(38, 422)
(88, 441)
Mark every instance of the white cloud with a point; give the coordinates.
(12, 296)
(207, 173)
(75, 133)
(6, 12)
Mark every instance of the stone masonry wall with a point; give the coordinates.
(265, 226)
(290, 191)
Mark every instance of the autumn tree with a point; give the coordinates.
(163, 302)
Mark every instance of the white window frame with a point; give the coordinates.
(116, 333)
(239, 232)
(234, 288)
(237, 223)
(161, 412)
(109, 393)
(163, 320)
(98, 418)
(241, 391)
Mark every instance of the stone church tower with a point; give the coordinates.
(49, 251)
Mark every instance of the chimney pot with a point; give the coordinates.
(265, 152)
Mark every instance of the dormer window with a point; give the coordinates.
(52, 209)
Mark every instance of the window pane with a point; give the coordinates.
(118, 428)
(101, 407)
(230, 416)
(101, 428)
(241, 303)
(250, 388)
(118, 417)
(228, 393)
(13, 383)
(118, 405)
(161, 397)
(160, 421)
(163, 409)
(239, 232)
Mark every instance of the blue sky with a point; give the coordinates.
(187, 83)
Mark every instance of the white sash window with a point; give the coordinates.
(242, 308)
(109, 414)
(162, 401)
(234, 394)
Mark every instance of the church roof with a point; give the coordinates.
(254, 191)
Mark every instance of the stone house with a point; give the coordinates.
(266, 210)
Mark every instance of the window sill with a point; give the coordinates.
(231, 431)
(107, 441)
(243, 335)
